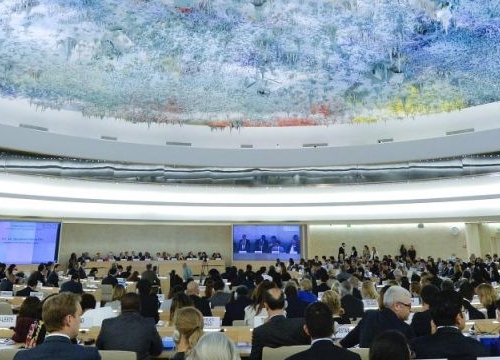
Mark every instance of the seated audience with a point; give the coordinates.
(319, 327)
(487, 297)
(396, 310)
(368, 291)
(421, 321)
(87, 302)
(353, 307)
(7, 283)
(134, 277)
(193, 291)
(149, 301)
(214, 346)
(179, 300)
(61, 315)
(130, 331)
(278, 330)
(448, 340)
(390, 344)
(332, 300)
(188, 322)
(220, 297)
(466, 292)
(52, 274)
(31, 287)
(257, 308)
(235, 308)
(28, 314)
(306, 291)
(110, 279)
(39, 274)
(74, 285)
(77, 270)
(295, 307)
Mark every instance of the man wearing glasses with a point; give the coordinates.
(396, 309)
(61, 315)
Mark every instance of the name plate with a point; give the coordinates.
(275, 252)
(161, 297)
(7, 321)
(259, 320)
(415, 301)
(7, 293)
(342, 331)
(242, 252)
(370, 303)
(258, 251)
(37, 294)
(86, 322)
(211, 322)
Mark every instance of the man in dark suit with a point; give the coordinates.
(278, 330)
(396, 310)
(32, 282)
(353, 307)
(448, 340)
(193, 291)
(111, 278)
(421, 321)
(39, 275)
(235, 309)
(52, 275)
(130, 331)
(467, 293)
(74, 285)
(319, 326)
(61, 315)
(244, 244)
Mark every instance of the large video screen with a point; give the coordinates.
(266, 242)
(27, 242)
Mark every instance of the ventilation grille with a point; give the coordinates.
(33, 127)
(314, 145)
(177, 143)
(112, 138)
(458, 132)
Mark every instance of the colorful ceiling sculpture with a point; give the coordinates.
(251, 62)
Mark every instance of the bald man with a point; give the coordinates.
(277, 331)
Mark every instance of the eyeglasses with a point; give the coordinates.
(407, 305)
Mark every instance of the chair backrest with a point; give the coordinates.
(363, 352)
(116, 355)
(106, 292)
(5, 308)
(8, 354)
(283, 352)
(219, 311)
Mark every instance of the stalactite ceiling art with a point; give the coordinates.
(251, 62)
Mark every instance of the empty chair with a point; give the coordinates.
(116, 355)
(106, 292)
(283, 352)
(8, 354)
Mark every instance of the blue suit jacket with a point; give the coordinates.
(60, 348)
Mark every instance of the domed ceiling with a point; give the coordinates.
(249, 63)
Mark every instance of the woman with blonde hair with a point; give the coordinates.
(368, 290)
(487, 297)
(188, 324)
(332, 299)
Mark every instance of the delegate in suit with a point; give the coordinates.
(278, 330)
(319, 326)
(448, 340)
(61, 315)
(130, 331)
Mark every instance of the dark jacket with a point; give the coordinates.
(450, 343)
(130, 332)
(325, 349)
(277, 331)
(60, 348)
(373, 323)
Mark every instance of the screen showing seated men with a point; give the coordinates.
(266, 242)
(26, 242)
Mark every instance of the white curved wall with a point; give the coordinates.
(469, 199)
